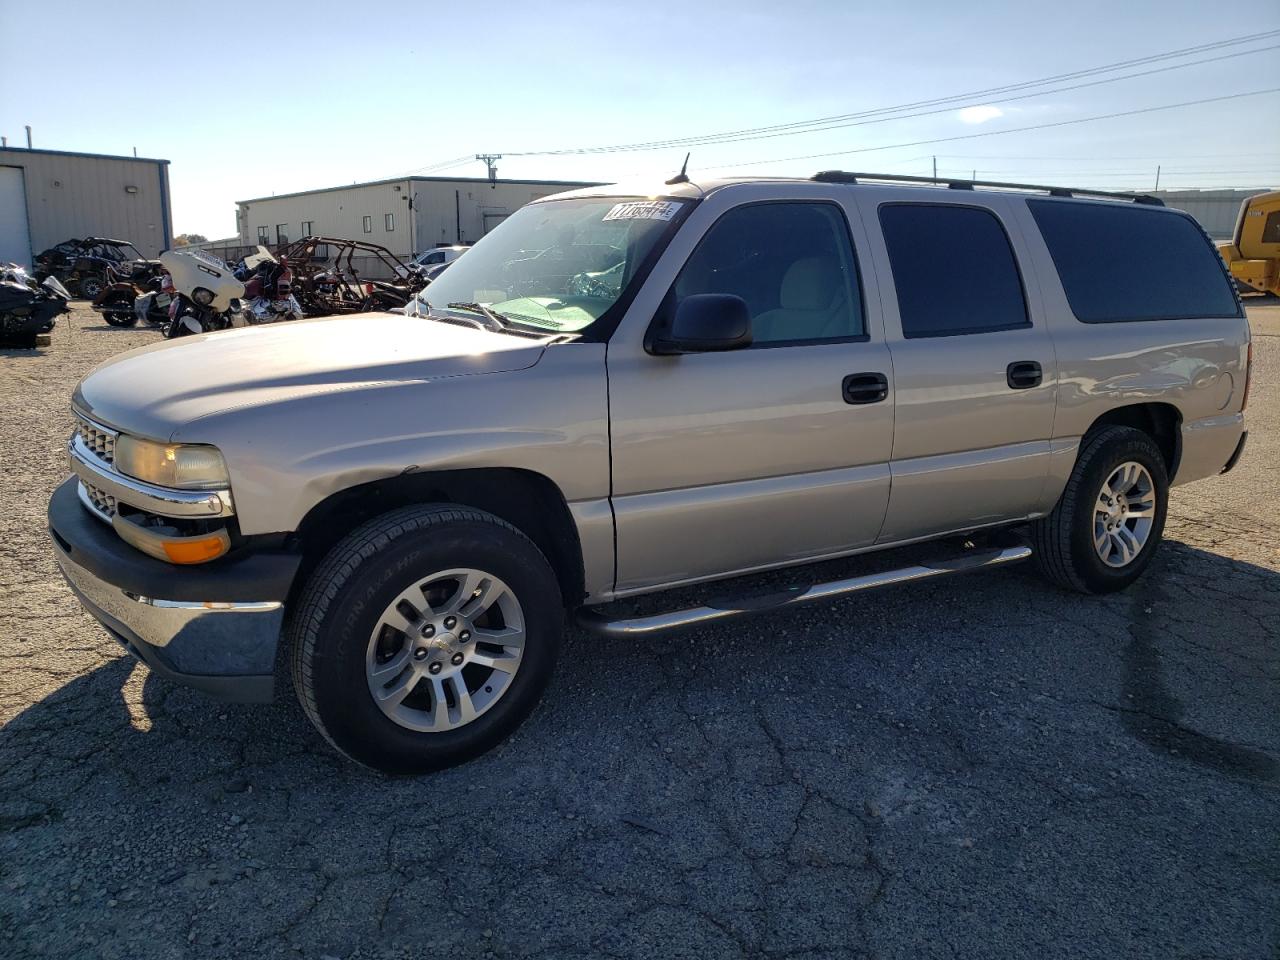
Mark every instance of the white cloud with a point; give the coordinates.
(980, 114)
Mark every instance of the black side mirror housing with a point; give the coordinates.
(704, 323)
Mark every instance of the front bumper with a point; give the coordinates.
(218, 625)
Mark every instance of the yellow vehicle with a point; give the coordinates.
(1253, 256)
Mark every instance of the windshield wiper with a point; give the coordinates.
(496, 320)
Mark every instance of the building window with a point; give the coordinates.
(389, 221)
(264, 234)
(282, 233)
(308, 228)
(368, 224)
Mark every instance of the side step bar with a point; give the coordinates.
(595, 622)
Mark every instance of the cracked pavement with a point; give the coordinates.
(977, 767)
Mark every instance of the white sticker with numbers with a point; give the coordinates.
(643, 210)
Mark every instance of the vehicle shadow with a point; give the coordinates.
(1228, 610)
(666, 748)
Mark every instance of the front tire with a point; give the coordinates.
(1106, 528)
(425, 638)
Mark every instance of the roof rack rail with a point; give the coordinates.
(840, 176)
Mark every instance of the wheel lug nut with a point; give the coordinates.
(456, 659)
(428, 630)
(420, 653)
(434, 668)
(464, 636)
(450, 622)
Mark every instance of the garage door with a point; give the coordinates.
(15, 238)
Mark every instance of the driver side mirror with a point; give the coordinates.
(705, 323)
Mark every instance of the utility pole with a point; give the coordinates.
(973, 175)
(1157, 186)
(490, 160)
(935, 168)
(28, 136)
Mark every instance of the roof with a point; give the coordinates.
(76, 153)
(567, 184)
(698, 188)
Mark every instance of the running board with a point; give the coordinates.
(595, 622)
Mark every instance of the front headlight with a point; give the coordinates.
(185, 466)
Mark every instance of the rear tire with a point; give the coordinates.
(1106, 528)
(375, 690)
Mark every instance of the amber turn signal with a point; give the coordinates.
(186, 550)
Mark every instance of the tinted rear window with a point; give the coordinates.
(1133, 263)
(953, 269)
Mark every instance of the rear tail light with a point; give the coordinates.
(1248, 376)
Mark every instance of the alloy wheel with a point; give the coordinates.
(1124, 514)
(445, 650)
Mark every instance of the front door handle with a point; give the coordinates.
(1023, 375)
(865, 387)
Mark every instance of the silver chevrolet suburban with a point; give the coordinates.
(622, 391)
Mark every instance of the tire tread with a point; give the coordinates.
(339, 566)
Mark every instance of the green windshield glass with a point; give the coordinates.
(557, 265)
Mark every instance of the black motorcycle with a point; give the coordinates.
(27, 308)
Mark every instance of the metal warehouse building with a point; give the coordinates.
(406, 216)
(1216, 210)
(47, 196)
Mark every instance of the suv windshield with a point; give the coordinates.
(557, 265)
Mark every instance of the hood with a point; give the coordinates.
(155, 390)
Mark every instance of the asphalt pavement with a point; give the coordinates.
(983, 767)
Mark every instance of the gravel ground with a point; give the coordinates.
(983, 767)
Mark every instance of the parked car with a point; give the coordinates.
(439, 256)
(612, 396)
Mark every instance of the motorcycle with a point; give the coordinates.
(268, 290)
(27, 308)
(206, 293)
(135, 292)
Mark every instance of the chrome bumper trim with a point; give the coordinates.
(210, 645)
(162, 501)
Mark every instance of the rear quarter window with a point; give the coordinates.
(1121, 263)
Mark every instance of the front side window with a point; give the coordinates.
(558, 265)
(368, 224)
(792, 262)
(1128, 262)
(953, 269)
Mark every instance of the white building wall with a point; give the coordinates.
(86, 195)
(444, 211)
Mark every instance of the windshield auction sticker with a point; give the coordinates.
(643, 210)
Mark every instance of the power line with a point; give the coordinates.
(842, 120)
(996, 133)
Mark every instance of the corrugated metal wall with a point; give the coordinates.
(333, 213)
(81, 195)
(463, 211)
(1216, 210)
(442, 210)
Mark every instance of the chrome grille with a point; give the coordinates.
(102, 502)
(100, 441)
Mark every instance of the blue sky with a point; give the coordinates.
(246, 103)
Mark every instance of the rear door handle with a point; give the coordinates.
(1023, 375)
(865, 387)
